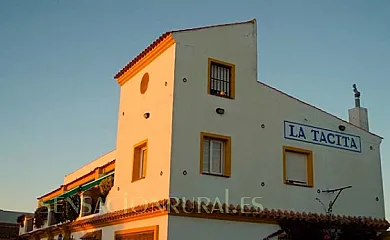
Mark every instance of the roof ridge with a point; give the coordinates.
(215, 25)
(162, 37)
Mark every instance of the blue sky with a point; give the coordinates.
(59, 102)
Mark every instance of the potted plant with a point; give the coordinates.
(40, 216)
(105, 187)
(20, 220)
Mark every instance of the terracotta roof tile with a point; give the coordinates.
(160, 39)
(122, 214)
(236, 210)
(224, 212)
(179, 207)
(142, 54)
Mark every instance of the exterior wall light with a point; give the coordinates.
(341, 127)
(220, 111)
(146, 115)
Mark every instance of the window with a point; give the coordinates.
(221, 79)
(298, 166)
(145, 233)
(139, 160)
(90, 201)
(215, 154)
(29, 224)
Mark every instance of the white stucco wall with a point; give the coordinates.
(134, 128)
(100, 161)
(109, 231)
(186, 228)
(256, 151)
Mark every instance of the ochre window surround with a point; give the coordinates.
(147, 233)
(222, 150)
(309, 181)
(140, 160)
(221, 78)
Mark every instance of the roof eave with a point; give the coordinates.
(308, 104)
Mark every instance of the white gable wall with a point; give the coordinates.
(257, 152)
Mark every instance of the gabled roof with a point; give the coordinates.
(308, 104)
(161, 39)
(167, 38)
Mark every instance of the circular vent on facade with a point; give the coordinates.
(144, 83)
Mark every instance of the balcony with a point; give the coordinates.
(80, 202)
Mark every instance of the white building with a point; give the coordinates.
(195, 124)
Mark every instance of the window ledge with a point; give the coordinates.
(298, 185)
(221, 96)
(136, 180)
(215, 175)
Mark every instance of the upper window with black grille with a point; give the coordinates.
(221, 79)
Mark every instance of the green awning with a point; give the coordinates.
(81, 188)
(96, 182)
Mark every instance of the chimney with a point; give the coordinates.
(358, 116)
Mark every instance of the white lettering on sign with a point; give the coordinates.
(321, 136)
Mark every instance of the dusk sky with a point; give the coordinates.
(59, 101)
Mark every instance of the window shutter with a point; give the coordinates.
(296, 166)
(143, 157)
(136, 164)
(217, 154)
(206, 155)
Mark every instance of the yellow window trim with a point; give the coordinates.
(309, 165)
(232, 80)
(136, 154)
(153, 229)
(228, 150)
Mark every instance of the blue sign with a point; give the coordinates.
(321, 136)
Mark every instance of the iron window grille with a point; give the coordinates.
(220, 80)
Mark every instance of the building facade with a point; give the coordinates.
(9, 226)
(201, 145)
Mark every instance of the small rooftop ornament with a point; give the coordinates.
(357, 96)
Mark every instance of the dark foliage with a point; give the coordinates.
(72, 208)
(40, 216)
(20, 220)
(105, 187)
(59, 212)
(298, 230)
(67, 209)
(20, 238)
